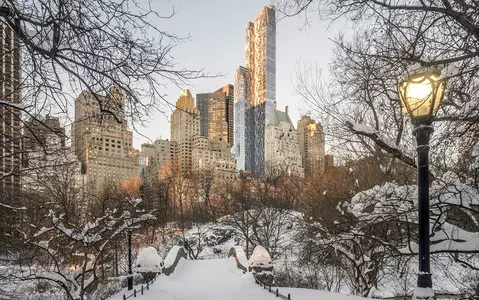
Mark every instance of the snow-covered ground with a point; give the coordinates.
(219, 279)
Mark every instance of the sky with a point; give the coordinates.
(217, 41)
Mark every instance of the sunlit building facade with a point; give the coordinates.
(102, 141)
(260, 85)
(217, 114)
(240, 92)
(311, 145)
(184, 125)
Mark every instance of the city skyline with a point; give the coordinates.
(313, 41)
(299, 41)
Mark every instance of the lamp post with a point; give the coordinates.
(130, 271)
(421, 95)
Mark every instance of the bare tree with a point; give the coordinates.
(402, 37)
(207, 183)
(60, 48)
(91, 46)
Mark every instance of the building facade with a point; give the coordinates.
(145, 159)
(217, 114)
(50, 166)
(311, 145)
(163, 152)
(260, 53)
(184, 125)
(213, 156)
(10, 116)
(240, 92)
(281, 146)
(102, 141)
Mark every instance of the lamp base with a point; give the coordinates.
(130, 281)
(421, 293)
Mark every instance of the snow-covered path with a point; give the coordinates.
(206, 279)
(218, 279)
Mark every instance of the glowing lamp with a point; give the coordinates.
(421, 95)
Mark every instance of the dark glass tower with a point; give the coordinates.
(216, 114)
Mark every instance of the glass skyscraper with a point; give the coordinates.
(260, 91)
(216, 114)
(240, 90)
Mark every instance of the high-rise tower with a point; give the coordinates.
(10, 116)
(185, 124)
(261, 61)
(216, 114)
(260, 83)
(311, 146)
(102, 140)
(240, 91)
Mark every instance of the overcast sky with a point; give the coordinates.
(217, 30)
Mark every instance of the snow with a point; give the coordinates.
(363, 128)
(241, 256)
(149, 261)
(14, 105)
(309, 294)
(423, 293)
(12, 207)
(172, 254)
(220, 279)
(260, 258)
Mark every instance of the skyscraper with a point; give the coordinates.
(311, 145)
(102, 140)
(10, 116)
(185, 124)
(261, 61)
(216, 114)
(260, 82)
(240, 91)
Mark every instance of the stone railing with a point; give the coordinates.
(240, 257)
(172, 258)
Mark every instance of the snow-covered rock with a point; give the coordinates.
(149, 261)
(260, 258)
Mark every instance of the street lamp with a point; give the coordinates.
(130, 271)
(421, 95)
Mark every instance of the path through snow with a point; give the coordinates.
(219, 279)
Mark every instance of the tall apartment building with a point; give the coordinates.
(184, 125)
(311, 145)
(240, 92)
(281, 145)
(259, 76)
(217, 114)
(101, 139)
(10, 116)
